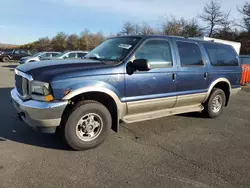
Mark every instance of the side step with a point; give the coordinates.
(161, 113)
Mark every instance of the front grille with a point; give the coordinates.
(21, 85)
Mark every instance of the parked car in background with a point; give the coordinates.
(126, 79)
(245, 59)
(14, 55)
(68, 55)
(38, 56)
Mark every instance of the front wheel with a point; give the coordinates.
(5, 59)
(87, 125)
(215, 103)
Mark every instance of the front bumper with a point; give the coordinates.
(42, 116)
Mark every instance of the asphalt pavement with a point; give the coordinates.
(179, 151)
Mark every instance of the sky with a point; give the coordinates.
(24, 21)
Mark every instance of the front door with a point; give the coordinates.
(154, 89)
(191, 85)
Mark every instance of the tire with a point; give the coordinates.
(213, 109)
(82, 115)
(5, 59)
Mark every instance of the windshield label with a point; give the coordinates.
(126, 46)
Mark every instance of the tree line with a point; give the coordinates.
(217, 24)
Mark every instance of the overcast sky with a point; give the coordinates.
(24, 21)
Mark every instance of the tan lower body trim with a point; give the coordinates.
(151, 105)
(185, 100)
(161, 113)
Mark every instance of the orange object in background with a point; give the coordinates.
(248, 74)
(243, 76)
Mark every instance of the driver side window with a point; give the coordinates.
(157, 52)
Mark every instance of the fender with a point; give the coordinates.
(214, 83)
(97, 87)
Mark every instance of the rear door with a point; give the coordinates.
(191, 85)
(223, 63)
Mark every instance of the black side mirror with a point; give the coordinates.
(141, 65)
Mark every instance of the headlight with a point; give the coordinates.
(40, 91)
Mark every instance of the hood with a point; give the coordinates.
(48, 70)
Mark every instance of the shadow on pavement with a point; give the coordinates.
(11, 67)
(15, 130)
(194, 115)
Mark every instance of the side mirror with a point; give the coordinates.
(141, 65)
(65, 57)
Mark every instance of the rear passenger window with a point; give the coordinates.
(54, 54)
(72, 55)
(190, 54)
(157, 52)
(221, 55)
(48, 55)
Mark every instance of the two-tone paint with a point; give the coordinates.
(141, 92)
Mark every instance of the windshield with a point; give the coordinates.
(114, 49)
(36, 54)
(61, 54)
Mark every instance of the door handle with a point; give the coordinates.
(205, 75)
(174, 77)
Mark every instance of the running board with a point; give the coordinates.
(161, 113)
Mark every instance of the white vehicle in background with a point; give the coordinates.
(68, 55)
(38, 56)
(245, 59)
(235, 45)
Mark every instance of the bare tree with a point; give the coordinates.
(72, 42)
(137, 29)
(213, 16)
(191, 29)
(245, 11)
(128, 29)
(43, 44)
(182, 27)
(146, 29)
(172, 27)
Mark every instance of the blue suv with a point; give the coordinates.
(125, 79)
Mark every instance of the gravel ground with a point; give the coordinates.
(179, 151)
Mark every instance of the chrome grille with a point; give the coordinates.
(22, 83)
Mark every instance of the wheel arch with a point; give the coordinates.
(221, 83)
(103, 95)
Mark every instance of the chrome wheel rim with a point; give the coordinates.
(89, 127)
(216, 103)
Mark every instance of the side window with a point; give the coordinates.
(54, 54)
(23, 52)
(81, 55)
(17, 52)
(221, 55)
(48, 55)
(190, 54)
(72, 55)
(157, 52)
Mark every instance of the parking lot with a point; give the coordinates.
(179, 151)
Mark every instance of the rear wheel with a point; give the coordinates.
(87, 125)
(5, 59)
(215, 103)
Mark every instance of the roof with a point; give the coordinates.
(166, 36)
